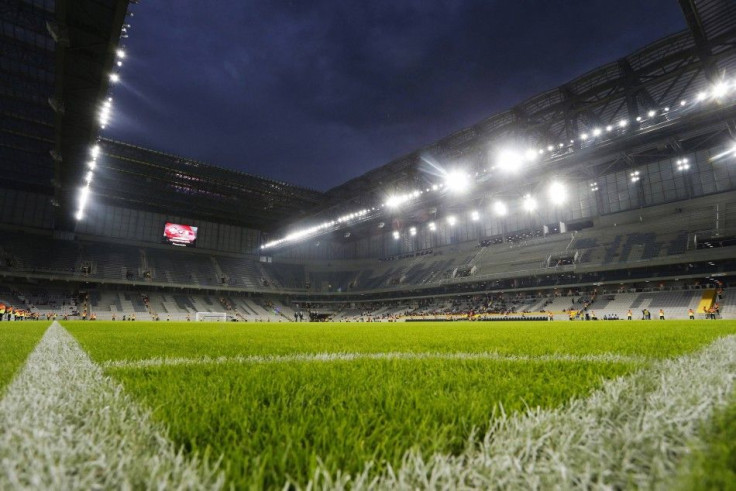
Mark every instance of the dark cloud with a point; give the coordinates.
(318, 92)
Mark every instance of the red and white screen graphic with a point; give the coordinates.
(180, 235)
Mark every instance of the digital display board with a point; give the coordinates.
(180, 235)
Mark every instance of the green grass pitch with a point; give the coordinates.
(276, 399)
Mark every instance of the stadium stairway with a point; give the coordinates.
(706, 301)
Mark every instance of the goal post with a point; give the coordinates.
(210, 317)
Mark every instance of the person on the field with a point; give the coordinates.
(188, 318)
(691, 314)
(628, 314)
(661, 314)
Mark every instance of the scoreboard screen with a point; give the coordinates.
(180, 235)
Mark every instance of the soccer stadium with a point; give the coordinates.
(541, 300)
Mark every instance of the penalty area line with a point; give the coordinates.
(342, 356)
(631, 433)
(65, 425)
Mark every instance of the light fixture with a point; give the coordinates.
(557, 193)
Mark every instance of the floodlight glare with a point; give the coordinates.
(397, 235)
(95, 151)
(530, 204)
(651, 113)
(500, 209)
(432, 226)
(114, 77)
(120, 53)
(596, 132)
(509, 160)
(79, 215)
(474, 215)
(557, 193)
(413, 231)
(530, 155)
(683, 102)
(451, 220)
(623, 123)
(719, 90)
(457, 181)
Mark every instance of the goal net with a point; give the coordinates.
(211, 317)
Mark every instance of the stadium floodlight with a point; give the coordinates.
(88, 177)
(509, 160)
(457, 181)
(531, 155)
(701, 96)
(79, 215)
(396, 235)
(550, 148)
(435, 187)
(432, 226)
(682, 164)
(500, 208)
(114, 78)
(474, 215)
(557, 193)
(529, 203)
(120, 53)
(666, 109)
(584, 136)
(683, 102)
(413, 231)
(623, 123)
(651, 113)
(594, 186)
(597, 132)
(638, 118)
(92, 164)
(719, 90)
(609, 128)
(635, 176)
(451, 220)
(95, 151)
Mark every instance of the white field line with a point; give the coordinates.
(631, 433)
(333, 357)
(64, 425)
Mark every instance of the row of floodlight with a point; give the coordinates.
(103, 115)
(513, 160)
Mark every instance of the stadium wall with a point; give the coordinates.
(32, 210)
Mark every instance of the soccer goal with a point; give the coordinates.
(211, 317)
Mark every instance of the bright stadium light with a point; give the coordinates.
(95, 151)
(683, 102)
(114, 78)
(396, 235)
(597, 132)
(701, 96)
(413, 231)
(457, 181)
(92, 164)
(531, 155)
(584, 136)
(529, 203)
(451, 220)
(651, 113)
(474, 215)
(557, 193)
(432, 226)
(509, 161)
(719, 90)
(623, 123)
(120, 53)
(500, 208)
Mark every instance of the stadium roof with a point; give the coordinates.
(57, 57)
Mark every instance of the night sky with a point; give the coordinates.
(316, 92)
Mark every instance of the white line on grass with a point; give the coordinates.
(333, 357)
(632, 433)
(64, 425)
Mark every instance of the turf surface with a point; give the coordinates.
(273, 421)
(17, 339)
